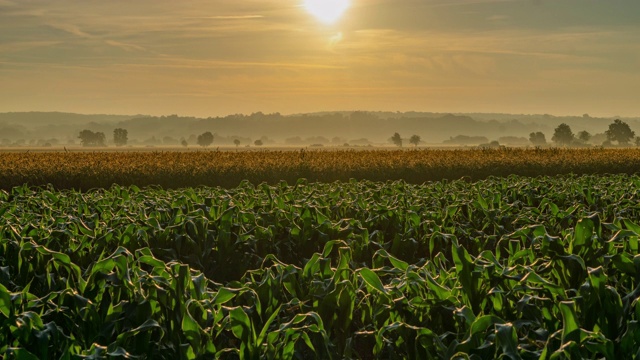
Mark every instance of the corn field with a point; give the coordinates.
(513, 268)
(86, 170)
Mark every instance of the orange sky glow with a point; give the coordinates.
(209, 58)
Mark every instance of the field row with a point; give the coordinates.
(86, 170)
(513, 267)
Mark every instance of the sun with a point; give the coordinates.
(327, 11)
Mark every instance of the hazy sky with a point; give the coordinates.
(218, 57)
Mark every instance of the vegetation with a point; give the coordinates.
(415, 140)
(620, 132)
(396, 139)
(537, 138)
(120, 136)
(502, 268)
(584, 136)
(563, 135)
(90, 138)
(205, 139)
(86, 170)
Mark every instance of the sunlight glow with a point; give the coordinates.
(327, 11)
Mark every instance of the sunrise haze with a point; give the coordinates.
(210, 58)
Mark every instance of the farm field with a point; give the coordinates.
(171, 169)
(515, 267)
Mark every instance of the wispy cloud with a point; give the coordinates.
(25, 45)
(100, 39)
(497, 18)
(71, 29)
(124, 46)
(230, 17)
(443, 3)
(183, 63)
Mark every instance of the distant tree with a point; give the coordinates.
(184, 142)
(620, 131)
(86, 137)
(205, 139)
(120, 137)
(415, 140)
(101, 139)
(258, 142)
(492, 145)
(584, 136)
(396, 139)
(90, 138)
(537, 138)
(237, 142)
(638, 141)
(563, 135)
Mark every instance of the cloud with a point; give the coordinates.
(25, 45)
(497, 18)
(230, 17)
(71, 29)
(184, 63)
(272, 53)
(99, 39)
(444, 3)
(124, 46)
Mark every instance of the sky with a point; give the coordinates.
(218, 57)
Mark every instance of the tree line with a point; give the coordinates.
(121, 137)
(618, 133)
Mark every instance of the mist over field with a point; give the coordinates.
(325, 128)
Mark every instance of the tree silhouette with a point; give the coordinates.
(584, 136)
(184, 142)
(205, 139)
(415, 140)
(258, 142)
(396, 139)
(237, 142)
(120, 136)
(90, 138)
(537, 138)
(620, 131)
(563, 135)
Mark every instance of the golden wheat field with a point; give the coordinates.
(84, 170)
